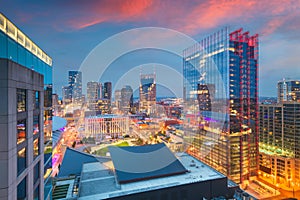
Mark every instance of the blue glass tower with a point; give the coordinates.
(221, 102)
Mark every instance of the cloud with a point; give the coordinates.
(108, 11)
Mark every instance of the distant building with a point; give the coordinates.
(118, 99)
(147, 92)
(75, 85)
(66, 95)
(288, 90)
(126, 99)
(55, 104)
(279, 147)
(26, 130)
(101, 126)
(221, 102)
(107, 90)
(93, 94)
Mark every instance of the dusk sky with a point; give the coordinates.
(68, 30)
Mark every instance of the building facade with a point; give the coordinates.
(126, 99)
(75, 85)
(26, 76)
(288, 90)
(102, 126)
(279, 149)
(93, 94)
(118, 99)
(221, 102)
(66, 95)
(147, 92)
(107, 90)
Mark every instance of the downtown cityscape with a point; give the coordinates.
(149, 99)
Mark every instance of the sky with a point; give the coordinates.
(70, 31)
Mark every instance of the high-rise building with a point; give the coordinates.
(147, 92)
(288, 90)
(221, 102)
(75, 85)
(118, 98)
(279, 148)
(126, 99)
(93, 94)
(66, 94)
(26, 85)
(107, 90)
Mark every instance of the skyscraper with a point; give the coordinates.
(75, 85)
(26, 76)
(147, 92)
(66, 94)
(279, 148)
(225, 134)
(118, 98)
(107, 90)
(288, 90)
(93, 94)
(126, 99)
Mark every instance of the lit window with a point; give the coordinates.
(36, 149)
(21, 100)
(36, 124)
(21, 131)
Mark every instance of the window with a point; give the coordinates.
(21, 160)
(21, 100)
(36, 172)
(36, 193)
(21, 131)
(21, 190)
(36, 149)
(36, 124)
(36, 99)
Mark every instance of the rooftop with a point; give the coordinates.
(73, 161)
(7, 27)
(95, 174)
(135, 163)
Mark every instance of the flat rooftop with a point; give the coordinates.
(137, 163)
(100, 182)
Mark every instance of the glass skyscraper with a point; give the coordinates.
(147, 92)
(288, 90)
(75, 85)
(26, 136)
(221, 102)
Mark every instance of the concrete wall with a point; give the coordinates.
(13, 76)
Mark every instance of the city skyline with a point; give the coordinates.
(96, 21)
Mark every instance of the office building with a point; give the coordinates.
(26, 76)
(126, 99)
(93, 94)
(75, 85)
(288, 90)
(221, 102)
(279, 148)
(147, 92)
(118, 99)
(107, 90)
(66, 95)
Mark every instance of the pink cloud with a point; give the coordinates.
(186, 16)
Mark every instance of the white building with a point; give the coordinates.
(106, 125)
